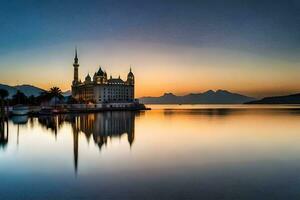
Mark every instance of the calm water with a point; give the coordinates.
(170, 152)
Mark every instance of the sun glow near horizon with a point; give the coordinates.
(158, 68)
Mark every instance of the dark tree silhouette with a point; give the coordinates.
(3, 93)
(19, 98)
(55, 92)
(52, 92)
(45, 96)
(71, 100)
(32, 100)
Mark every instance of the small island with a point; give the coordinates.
(287, 99)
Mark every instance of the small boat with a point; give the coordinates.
(20, 110)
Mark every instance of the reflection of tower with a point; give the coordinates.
(130, 131)
(3, 134)
(103, 126)
(75, 143)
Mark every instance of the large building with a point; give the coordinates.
(101, 89)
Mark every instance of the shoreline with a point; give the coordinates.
(75, 109)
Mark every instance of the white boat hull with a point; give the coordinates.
(20, 111)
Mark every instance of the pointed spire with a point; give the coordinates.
(75, 51)
(76, 58)
(130, 72)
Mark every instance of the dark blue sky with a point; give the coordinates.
(250, 25)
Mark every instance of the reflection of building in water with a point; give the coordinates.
(100, 127)
(3, 133)
(54, 123)
(75, 145)
(107, 125)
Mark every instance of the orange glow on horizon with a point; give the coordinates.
(157, 68)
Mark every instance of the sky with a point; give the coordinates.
(180, 46)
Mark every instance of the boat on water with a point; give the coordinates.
(20, 110)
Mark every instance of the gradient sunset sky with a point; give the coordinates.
(246, 46)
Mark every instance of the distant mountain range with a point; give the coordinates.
(288, 99)
(28, 90)
(208, 97)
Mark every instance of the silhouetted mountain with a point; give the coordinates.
(288, 99)
(28, 90)
(208, 97)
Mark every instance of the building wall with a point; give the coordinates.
(104, 93)
(83, 92)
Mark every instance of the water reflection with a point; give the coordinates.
(3, 134)
(223, 112)
(52, 123)
(208, 153)
(100, 127)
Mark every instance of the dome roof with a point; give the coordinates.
(88, 78)
(100, 72)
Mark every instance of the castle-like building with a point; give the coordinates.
(102, 89)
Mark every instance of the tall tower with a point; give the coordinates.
(76, 66)
(130, 83)
(130, 78)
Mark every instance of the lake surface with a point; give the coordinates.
(170, 152)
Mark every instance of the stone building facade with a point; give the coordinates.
(100, 88)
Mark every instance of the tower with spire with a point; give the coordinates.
(76, 67)
(130, 77)
(100, 89)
